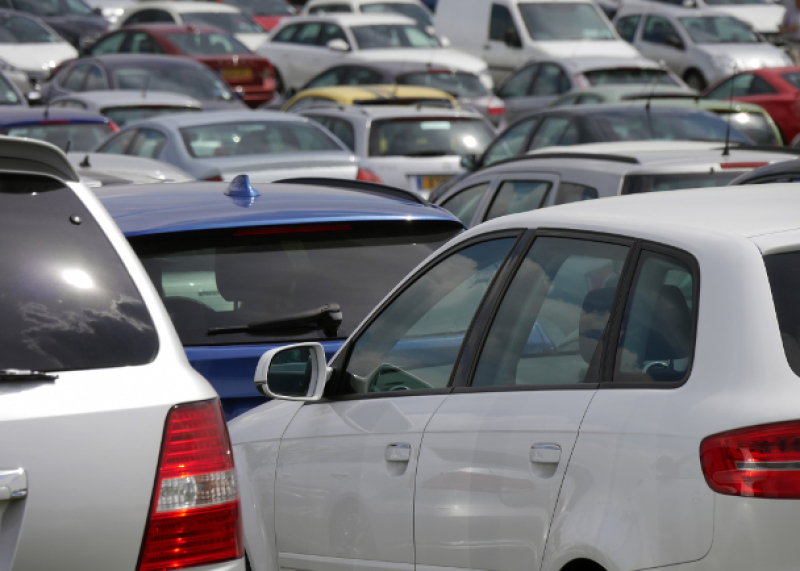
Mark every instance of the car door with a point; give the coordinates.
(495, 452)
(346, 467)
(662, 41)
(549, 82)
(501, 57)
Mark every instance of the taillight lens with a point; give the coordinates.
(760, 461)
(581, 81)
(368, 176)
(214, 178)
(114, 127)
(496, 107)
(195, 518)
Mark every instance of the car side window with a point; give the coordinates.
(118, 145)
(142, 43)
(414, 343)
(738, 86)
(330, 77)
(147, 143)
(657, 336)
(75, 78)
(304, 102)
(342, 129)
(501, 22)
(463, 204)
(627, 27)
(361, 76)
(95, 79)
(518, 196)
(286, 34)
(761, 87)
(551, 80)
(552, 320)
(511, 143)
(148, 16)
(571, 192)
(590, 99)
(550, 133)
(308, 34)
(331, 32)
(331, 8)
(567, 100)
(519, 85)
(657, 30)
(108, 45)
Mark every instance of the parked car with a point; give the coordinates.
(301, 262)
(752, 120)
(369, 95)
(701, 46)
(74, 20)
(510, 33)
(124, 106)
(246, 73)
(67, 129)
(266, 13)
(228, 18)
(10, 89)
(537, 84)
(785, 171)
(465, 87)
(774, 89)
(143, 73)
(303, 47)
(411, 8)
(589, 393)
(94, 381)
(584, 172)
(266, 145)
(413, 147)
(100, 170)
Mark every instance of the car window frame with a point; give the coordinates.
(516, 176)
(669, 23)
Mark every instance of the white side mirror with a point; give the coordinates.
(338, 45)
(295, 372)
(445, 41)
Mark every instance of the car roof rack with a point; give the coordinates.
(29, 155)
(372, 187)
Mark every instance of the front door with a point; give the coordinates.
(501, 57)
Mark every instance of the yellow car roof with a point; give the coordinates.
(351, 94)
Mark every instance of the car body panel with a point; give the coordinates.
(98, 170)
(349, 95)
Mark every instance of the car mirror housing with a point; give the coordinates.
(294, 372)
(338, 45)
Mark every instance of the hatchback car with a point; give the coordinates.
(610, 385)
(411, 8)
(74, 20)
(246, 269)
(93, 380)
(369, 95)
(67, 129)
(99, 170)
(123, 106)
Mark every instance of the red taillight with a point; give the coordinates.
(760, 461)
(195, 517)
(744, 165)
(215, 178)
(368, 176)
(581, 81)
(496, 107)
(114, 127)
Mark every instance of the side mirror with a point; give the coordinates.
(338, 45)
(295, 372)
(673, 41)
(511, 38)
(98, 11)
(469, 162)
(445, 41)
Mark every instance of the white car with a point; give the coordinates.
(114, 452)
(607, 385)
(701, 46)
(301, 48)
(102, 170)
(224, 16)
(411, 8)
(509, 33)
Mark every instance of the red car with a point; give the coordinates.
(248, 74)
(776, 89)
(268, 13)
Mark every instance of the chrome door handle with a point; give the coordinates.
(13, 484)
(545, 453)
(398, 452)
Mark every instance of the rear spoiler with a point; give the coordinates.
(39, 157)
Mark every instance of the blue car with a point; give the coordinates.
(67, 129)
(245, 269)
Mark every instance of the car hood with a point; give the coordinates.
(252, 41)
(445, 57)
(37, 57)
(588, 48)
(748, 56)
(762, 17)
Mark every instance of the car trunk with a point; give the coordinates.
(239, 69)
(268, 168)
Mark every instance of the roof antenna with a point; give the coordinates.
(726, 151)
(47, 105)
(68, 145)
(85, 164)
(653, 86)
(146, 84)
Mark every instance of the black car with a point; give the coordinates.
(175, 74)
(74, 20)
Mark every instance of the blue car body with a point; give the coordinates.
(149, 210)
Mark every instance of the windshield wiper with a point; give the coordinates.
(25, 375)
(326, 317)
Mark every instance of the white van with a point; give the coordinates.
(509, 33)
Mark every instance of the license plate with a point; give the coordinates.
(237, 73)
(429, 182)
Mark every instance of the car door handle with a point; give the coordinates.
(13, 484)
(545, 453)
(398, 452)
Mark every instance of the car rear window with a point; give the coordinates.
(231, 23)
(80, 137)
(628, 76)
(240, 276)
(756, 126)
(639, 183)
(792, 78)
(783, 271)
(429, 137)
(207, 44)
(66, 300)
(123, 115)
(456, 84)
(665, 125)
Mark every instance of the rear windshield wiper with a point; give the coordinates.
(327, 318)
(25, 375)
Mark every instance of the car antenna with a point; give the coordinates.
(68, 145)
(652, 90)
(726, 151)
(85, 164)
(47, 108)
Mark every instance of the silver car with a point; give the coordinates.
(266, 145)
(125, 105)
(101, 170)
(113, 451)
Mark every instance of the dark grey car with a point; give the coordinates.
(74, 20)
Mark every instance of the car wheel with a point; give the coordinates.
(695, 80)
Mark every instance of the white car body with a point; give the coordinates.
(467, 25)
(763, 18)
(356, 6)
(298, 63)
(578, 477)
(37, 60)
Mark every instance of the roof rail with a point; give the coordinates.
(363, 186)
(34, 156)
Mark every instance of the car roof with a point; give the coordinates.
(349, 19)
(657, 7)
(181, 120)
(125, 97)
(621, 90)
(390, 111)
(163, 208)
(348, 94)
(171, 28)
(583, 64)
(188, 7)
(18, 114)
(775, 169)
(637, 106)
(666, 95)
(359, 2)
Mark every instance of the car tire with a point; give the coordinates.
(695, 80)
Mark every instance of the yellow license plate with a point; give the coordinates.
(429, 182)
(237, 73)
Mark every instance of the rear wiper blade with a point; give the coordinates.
(326, 317)
(25, 375)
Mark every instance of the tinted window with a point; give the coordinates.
(464, 204)
(784, 280)
(518, 196)
(308, 34)
(124, 115)
(23, 30)
(657, 30)
(80, 137)
(500, 23)
(553, 316)
(360, 76)
(264, 7)
(331, 32)
(550, 133)
(718, 30)
(637, 183)
(627, 27)
(418, 13)
(147, 143)
(231, 23)
(793, 79)
(551, 80)
(643, 126)
(656, 341)
(331, 8)
(628, 76)
(414, 342)
(429, 137)
(109, 45)
(75, 78)
(511, 142)
(457, 84)
(756, 126)
(330, 77)
(118, 144)
(738, 86)
(565, 21)
(570, 192)
(200, 83)
(393, 36)
(233, 277)
(520, 83)
(286, 34)
(141, 43)
(67, 301)
(95, 79)
(339, 127)
(7, 94)
(149, 16)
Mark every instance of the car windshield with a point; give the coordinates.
(207, 44)
(429, 137)
(54, 7)
(393, 36)
(639, 183)
(200, 83)
(123, 115)
(718, 30)
(230, 22)
(66, 136)
(564, 21)
(234, 277)
(418, 13)
(256, 138)
(456, 84)
(67, 301)
(264, 7)
(643, 125)
(783, 271)
(22, 30)
(629, 76)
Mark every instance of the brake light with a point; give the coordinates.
(496, 106)
(215, 178)
(195, 517)
(367, 175)
(743, 165)
(113, 126)
(760, 461)
(582, 82)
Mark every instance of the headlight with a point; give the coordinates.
(723, 63)
(486, 80)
